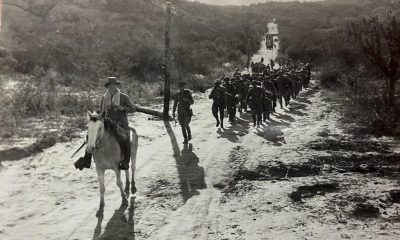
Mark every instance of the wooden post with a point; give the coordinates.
(1, 9)
(248, 55)
(167, 74)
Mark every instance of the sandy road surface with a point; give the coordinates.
(234, 183)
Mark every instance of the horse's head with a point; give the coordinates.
(95, 130)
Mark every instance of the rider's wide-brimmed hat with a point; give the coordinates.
(112, 80)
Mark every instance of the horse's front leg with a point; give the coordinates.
(119, 184)
(100, 175)
(134, 148)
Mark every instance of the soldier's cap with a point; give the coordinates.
(236, 69)
(181, 84)
(112, 80)
(254, 82)
(217, 82)
(226, 79)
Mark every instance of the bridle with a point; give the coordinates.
(98, 142)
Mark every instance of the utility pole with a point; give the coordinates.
(167, 65)
(1, 9)
(248, 55)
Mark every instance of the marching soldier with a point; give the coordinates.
(256, 96)
(219, 102)
(182, 101)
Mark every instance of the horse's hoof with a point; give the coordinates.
(99, 213)
(133, 190)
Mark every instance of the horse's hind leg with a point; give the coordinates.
(100, 174)
(134, 148)
(119, 184)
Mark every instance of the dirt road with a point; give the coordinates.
(285, 180)
(299, 176)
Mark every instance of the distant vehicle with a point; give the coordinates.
(272, 40)
(269, 42)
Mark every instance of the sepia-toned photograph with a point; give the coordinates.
(199, 119)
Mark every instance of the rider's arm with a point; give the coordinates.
(127, 104)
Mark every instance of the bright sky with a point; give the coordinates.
(243, 2)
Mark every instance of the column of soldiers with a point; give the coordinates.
(260, 91)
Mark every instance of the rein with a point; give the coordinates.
(99, 142)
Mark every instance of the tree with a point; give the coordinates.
(380, 42)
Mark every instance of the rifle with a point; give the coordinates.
(78, 149)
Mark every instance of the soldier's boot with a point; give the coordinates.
(222, 121)
(216, 118)
(84, 162)
(126, 155)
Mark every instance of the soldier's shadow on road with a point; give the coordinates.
(232, 132)
(285, 117)
(117, 227)
(191, 175)
(273, 134)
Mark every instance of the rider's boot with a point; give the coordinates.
(126, 152)
(189, 133)
(84, 162)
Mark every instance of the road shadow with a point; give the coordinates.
(285, 117)
(174, 142)
(272, 134)
(191, 175)
(117, 228)
(272, 122)
(232, 132)
(295, 104)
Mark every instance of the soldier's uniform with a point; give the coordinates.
(231, 100)
(182, 101)
(256, 96)
(219, 103)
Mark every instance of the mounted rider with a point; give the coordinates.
(115, 107)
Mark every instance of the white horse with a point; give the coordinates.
(107, 155)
